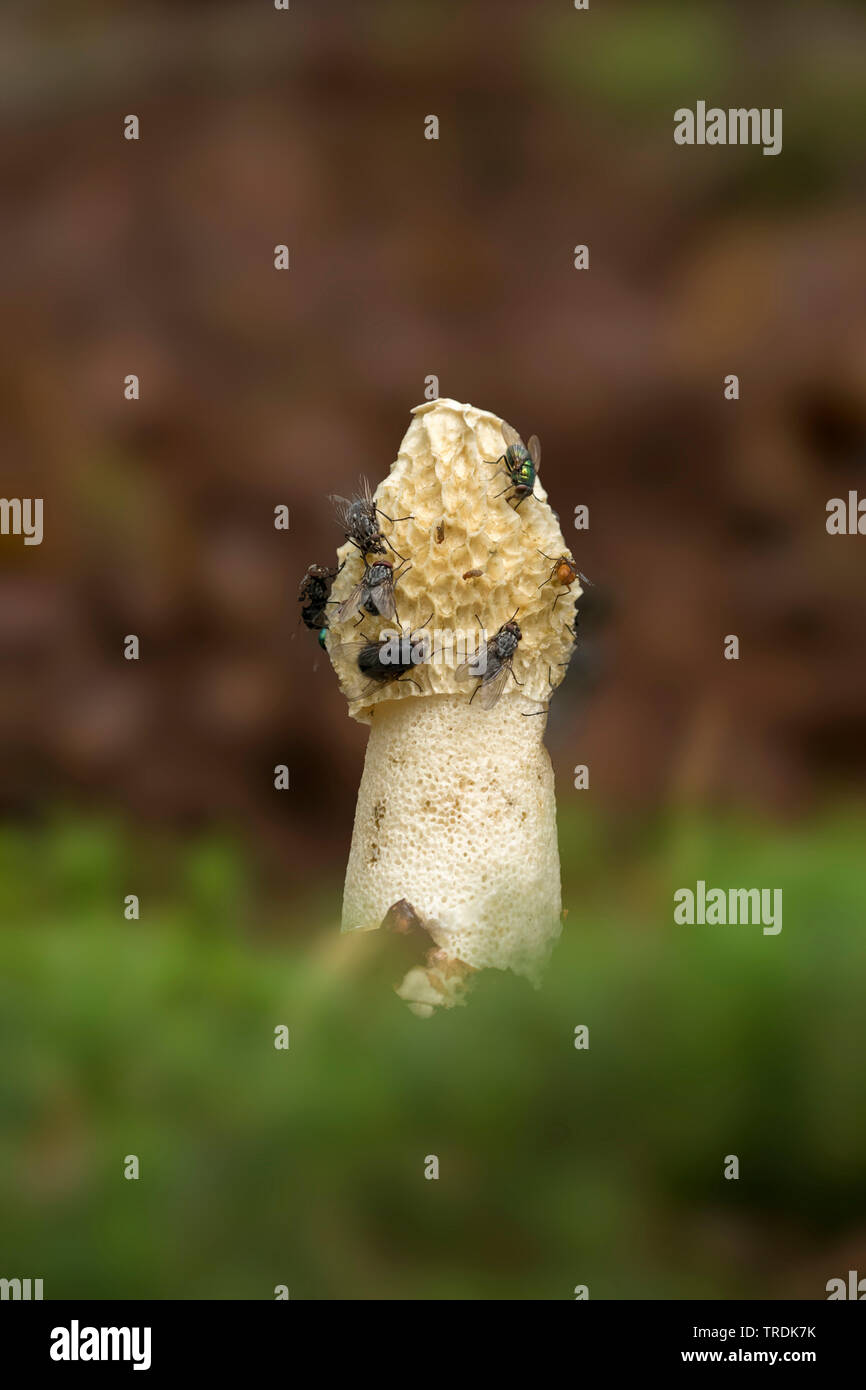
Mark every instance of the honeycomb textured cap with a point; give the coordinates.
(445, 480)
(456, 813)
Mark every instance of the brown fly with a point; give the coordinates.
(564, 573)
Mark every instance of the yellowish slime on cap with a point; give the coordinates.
(456, 812)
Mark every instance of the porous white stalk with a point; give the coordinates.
(456, 814)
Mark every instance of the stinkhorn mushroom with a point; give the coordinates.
(455, 827)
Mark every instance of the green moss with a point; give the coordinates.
(558, 1167)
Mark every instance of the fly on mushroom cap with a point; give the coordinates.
(452, 783)
(458, 523)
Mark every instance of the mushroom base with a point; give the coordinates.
(456, 815)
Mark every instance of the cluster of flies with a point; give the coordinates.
(382, 661)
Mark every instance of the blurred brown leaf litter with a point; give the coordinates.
(409, 258)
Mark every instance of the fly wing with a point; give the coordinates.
(466, 671)
(509, 434)
(382, 596)
(353, 604)
(349, 651)
(341, 506)
(473, 668)
(490, 691)
(535, 450)
(366, 689)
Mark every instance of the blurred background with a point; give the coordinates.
(412, 258)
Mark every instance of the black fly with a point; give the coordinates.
(389, 658)
(492, 665)
(359, 517)
(314, 593)
(375, 591)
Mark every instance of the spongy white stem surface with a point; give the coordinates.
(456, 813)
